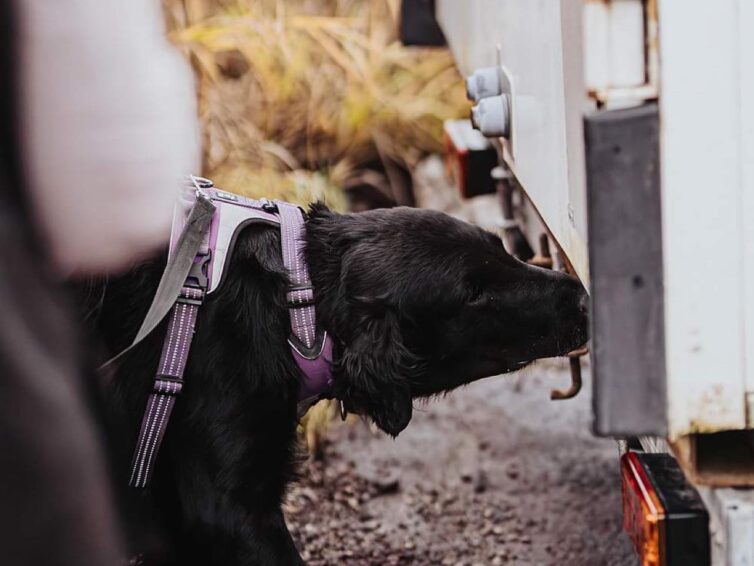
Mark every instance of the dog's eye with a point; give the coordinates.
(476, 296)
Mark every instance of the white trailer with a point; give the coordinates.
(629, 124)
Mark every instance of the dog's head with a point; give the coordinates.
(422, 303)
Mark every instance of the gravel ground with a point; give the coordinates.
(494, 473)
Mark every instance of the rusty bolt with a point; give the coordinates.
(544, 257)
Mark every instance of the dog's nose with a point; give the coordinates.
(584, 304)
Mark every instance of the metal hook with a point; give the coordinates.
(576, 382)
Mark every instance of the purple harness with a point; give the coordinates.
(311, 347)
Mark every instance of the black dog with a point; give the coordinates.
(419, 303)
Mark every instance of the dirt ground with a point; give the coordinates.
(494, 473)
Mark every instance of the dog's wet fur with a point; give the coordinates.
(418, 304)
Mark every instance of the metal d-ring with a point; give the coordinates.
(200, 184)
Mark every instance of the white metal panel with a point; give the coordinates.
(702, 213)
(541, 46)
(626, 31)
(746, 69)
(731, 524)
(575, 103)
(465, 25)
(614, 44)
(597, 45)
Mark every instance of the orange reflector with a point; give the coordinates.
(643, 514)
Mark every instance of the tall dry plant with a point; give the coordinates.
(318, 86)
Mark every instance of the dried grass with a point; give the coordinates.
(320, 85)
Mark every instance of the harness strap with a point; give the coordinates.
(300, 293)
(311, 350)
(168, 383)
(179, 265)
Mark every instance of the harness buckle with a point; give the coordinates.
(191, 295)
(300, 296)
(166, 385)
(189, 301)
(301, 304)
(268, 205)
(198, 271)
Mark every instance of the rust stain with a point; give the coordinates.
(714, 410)
(652, 31)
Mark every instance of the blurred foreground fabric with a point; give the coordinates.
(57, 507)
(109, 127)
(97, 128)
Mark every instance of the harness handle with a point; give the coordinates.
(176, 272)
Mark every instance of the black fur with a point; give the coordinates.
(419, 303)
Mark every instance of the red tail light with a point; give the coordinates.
(663, 514)
(643, 513)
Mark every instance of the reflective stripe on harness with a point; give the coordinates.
(167, 384)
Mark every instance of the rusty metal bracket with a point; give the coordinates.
(544, 257)
(576, 382)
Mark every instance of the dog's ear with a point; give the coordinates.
(375, 371)
(318, 209)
